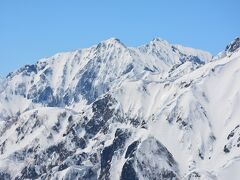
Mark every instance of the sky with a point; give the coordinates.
(33, 29)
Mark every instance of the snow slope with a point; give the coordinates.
(2, 83)
(158, 111)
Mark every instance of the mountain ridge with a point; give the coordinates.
(93, 114)
(114, 40)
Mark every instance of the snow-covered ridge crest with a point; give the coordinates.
(231, 48)
(69, 77)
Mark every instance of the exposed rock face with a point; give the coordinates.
(234, 45)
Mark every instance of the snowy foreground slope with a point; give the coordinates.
(158, 111)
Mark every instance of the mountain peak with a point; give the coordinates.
(234, 45)
(159, 40)
(113, 41)
(158, 43)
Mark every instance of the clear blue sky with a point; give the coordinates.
(32, 29)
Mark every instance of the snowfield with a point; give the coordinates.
(158, 111)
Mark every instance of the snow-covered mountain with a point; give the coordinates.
(158, 111)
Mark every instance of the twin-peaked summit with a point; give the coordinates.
(85, 74)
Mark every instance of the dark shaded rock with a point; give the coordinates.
(144, 124)
(226, 149)
(131, 149)
(200, 155)
(135, 122)
(79, 142)
(46, 95)
(128, 69)
(5, 176)
(29, 172)
(67, 98)
(185, 84)
(94, 158)
(2, 147)
(102, 113)
(31, 68)
(70, 119)
(89, 174)
(21, 89)
(234, 45)
(63, 166)
(26, 71)
(128, 171)
(148, 69)
(230, 135)
(56, 127)
(108, 152)
(194, 59)
(77, 159)
(194, 175)
(59, 151)
(168, 175)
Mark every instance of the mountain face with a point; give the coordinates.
(2, 82)
(158, 111)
